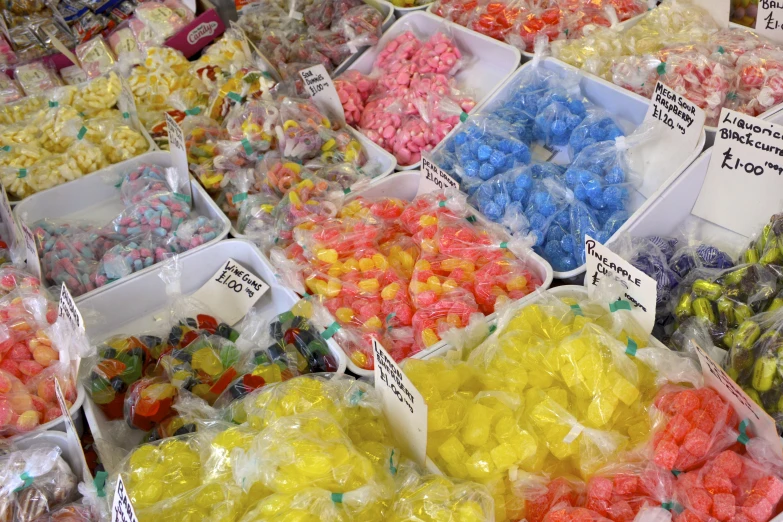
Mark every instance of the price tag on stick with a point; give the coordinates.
(640, 289)
(769, 19)
(762, 424)
(121, 507)
(9, 223)
(33, 263)
(744, 182)
(403, 405)
(433, 178)
(320, 88)
(179, 154)
(69, 311)
(231, 291)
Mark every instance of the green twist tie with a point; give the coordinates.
(182, 197)
(667, 506)
(441, 204)
(22, 173)
(471, 219)
(356, 397)
(388, 320)
(126, 115)
(347, 190)
(246, 146)
(721, 50)
(743, 428)
(619, 305)
(577, 310)
(504, 244)
(234, 96)
(463, 117)
(329, 332)
(337, 498)
(194, 111)
(672, 506)
(82, 115)
(28, 481)
(53, 103)
(7, 148)
(242, 196)
(631, 347)
(392, 467)
(81, 134)
(100, 483)
(661, 69)
(676, 472)
(492, 328)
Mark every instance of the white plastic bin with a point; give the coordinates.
(667, 213)
(404, 185)
(70, 452)
(624, 106)
(375, 154)
(399, 12)
(94, 198)
(387, 11)
(489, 62)
(135, 306)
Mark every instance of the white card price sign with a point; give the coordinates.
(762, 424)
(433, 178)
(70, 428)
(769, 19)
(179, 154)
(320, 88)
(640, 289)
(680, 116)
(403, 405)
(69, 311)
(744, 182)
(231, 291)
(7, 215)
(33, 263)
(121, 507)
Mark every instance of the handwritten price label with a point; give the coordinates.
(179, 154)
(231, 292)
(121, 508)
(320, 88)
(433, 178)
(769, 19)
(744, 174)
(403, 404)
(69, 311)
(33, 263)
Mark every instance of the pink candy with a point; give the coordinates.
(415, 102)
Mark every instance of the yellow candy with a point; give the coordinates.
(429, 337)
(370, 286)
(327, 255)
(344, 315)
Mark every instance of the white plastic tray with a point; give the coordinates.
(387, 10)
(489, 64)
(666, 214)
(376, 154)
(56, 438)
(138, 305)
(94, 198)
(404, 185)
(624, 106)
(58, 425)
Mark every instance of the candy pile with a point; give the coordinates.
(158, 222)
(403, 273)
(141, 378)
(556, 204)
(744, 12)
(294, 36)
(577, 398)
(78, 131)
(33, 353)
(411, 101)
(680, 45)
(672, 262)
(519, 23)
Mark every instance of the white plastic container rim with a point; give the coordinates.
(491, 61)
(399, 12)
(144, 297)
(385, 161)
(64, 200)
(404, 185)
(616, 101)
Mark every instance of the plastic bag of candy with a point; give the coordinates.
(34, 482)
